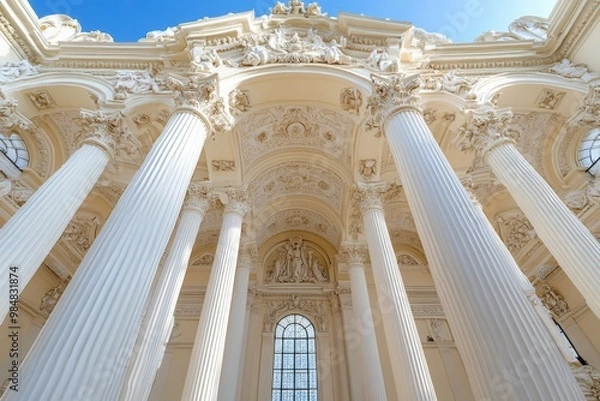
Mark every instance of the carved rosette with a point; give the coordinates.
(355, 254)
(198, 198)
(235, 201)
(370, 196)
(389, 95)
(103, 129)
(486, 130)
(203, 96)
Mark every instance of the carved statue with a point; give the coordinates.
(205, 61)
(381, 60)
(279, 9)
(255, 55)
(296, 263)
(569, 70)
(14, 70)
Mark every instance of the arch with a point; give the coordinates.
(294, 360)
(15, 150)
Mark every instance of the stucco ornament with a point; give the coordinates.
(16, 69)
(452, 82)
(296, 8)
(203, 60)
(427, 40)
(524, 28)
(82, 231)
(515, 229)
(202, 95)
(315, 308)
(62, 28)
(51, 298)
(296, 263)
(106, 129)
(390, 93)
(589, 110)
(9, 119)
(158, 36)
(5, 186)
(553, 301)
(239, 101)
(486, 129)
(351, 100)
(137, 83)
(567, 69)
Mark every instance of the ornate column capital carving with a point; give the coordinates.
(486, 129)
(354, 253)
(235, 200)
(9, 119)
(102, 128)
(389, 95)
(589, 110)
(202, 96)
(198, 197)
(370, 196)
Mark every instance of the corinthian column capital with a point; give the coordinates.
(198, 197)
(370, 196)
(9, 119)
(354, 253)
(486, 129)
(102, 128)
(235, 200)
(390, 94)
(202, 96)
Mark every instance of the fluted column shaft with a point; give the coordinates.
(373, 384)
(233, 359)
(569, 241)
(413, 380)
(158, 320)
(514, 358)
(28, 237)
(206, 361)
(82, 351)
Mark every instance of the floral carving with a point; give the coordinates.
(9, 119)
(314, 308)
(198, 197)
(203, 95)
(204, 60)
(389, 94)
(553, 301)
(223, 165)
(351, 100)
(234, 200)
(106, 130)
(239, 100)
(41, 99)
(367, 168)
(354, 253)
(296, 263)
(370, 196)
(485, 130)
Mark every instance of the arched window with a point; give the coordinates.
(14, 148)
(295, 360)
(588, 154)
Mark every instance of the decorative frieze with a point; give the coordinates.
(138, 83)
(316, 309)
(50, 299)
(452, 82)
(16, 69)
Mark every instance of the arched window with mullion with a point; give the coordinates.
(294, 360)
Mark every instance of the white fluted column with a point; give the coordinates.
(413, 381)
(233, 360)
(158, 320)
(514, 358)
(206, 361)
(372, 374)
(29, 235)
(492, 136)
(82, 351)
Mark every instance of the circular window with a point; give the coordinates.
(588, 155)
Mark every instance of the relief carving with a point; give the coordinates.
(296, 263)
(515, 230)
(553, 301)
(314, 308)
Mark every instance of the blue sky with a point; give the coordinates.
(129, 20)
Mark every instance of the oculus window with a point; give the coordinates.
(588, 154)
(294, 360)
